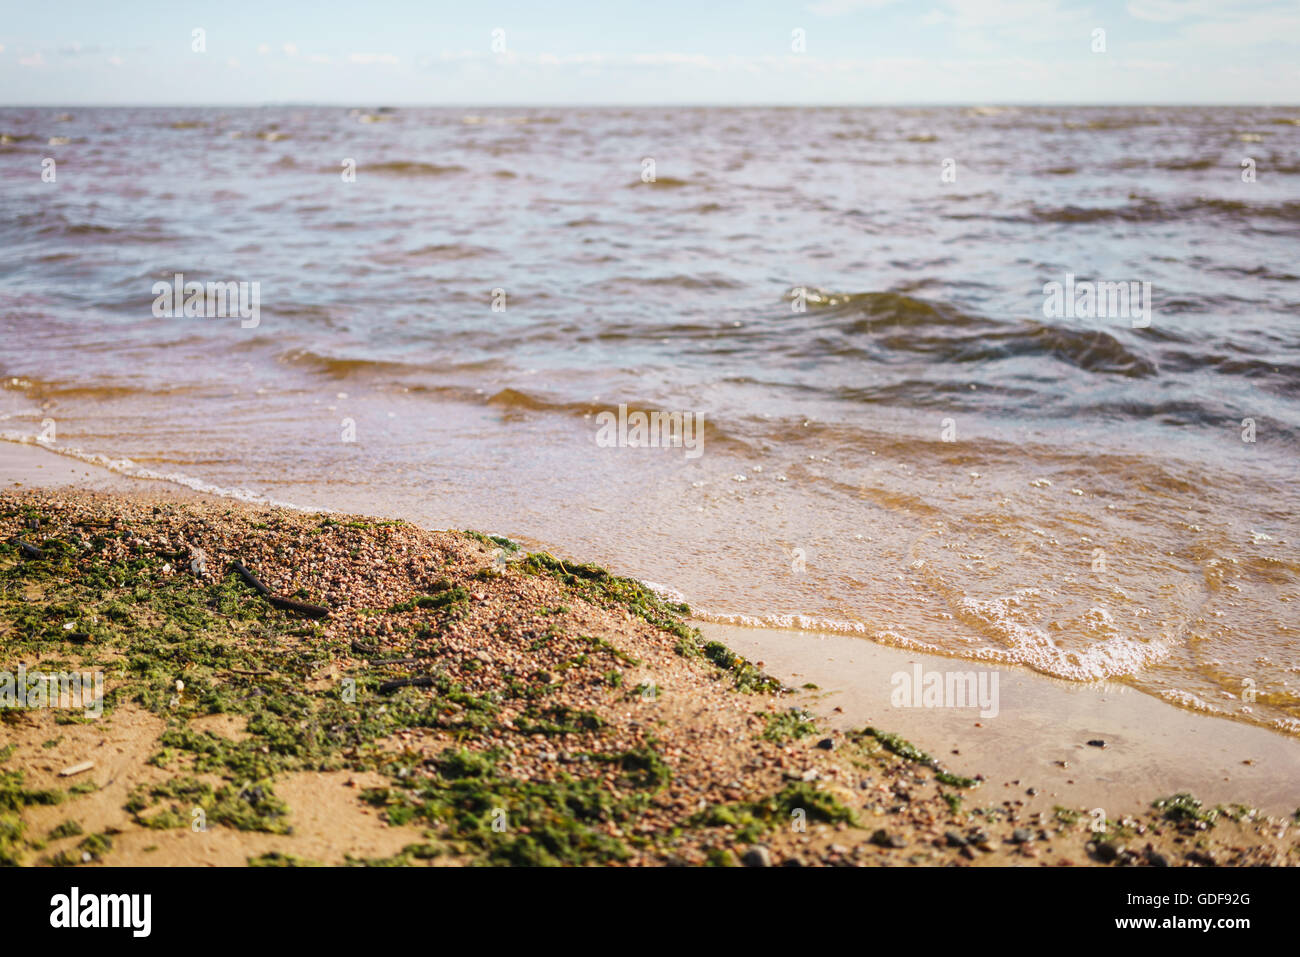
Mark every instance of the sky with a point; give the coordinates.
(487, 52)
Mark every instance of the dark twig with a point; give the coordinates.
(288, 604)
(420, 681)
(252, 579)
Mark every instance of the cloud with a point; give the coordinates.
(1167, 11)
(34, 60)
(366, 58)
(1203, 23)
(837, 8)
(987, 26)
(290, 49)
(1250, 29)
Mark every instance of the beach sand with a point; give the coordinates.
(543, 714)
(1040, 734)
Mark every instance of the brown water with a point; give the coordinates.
(918, 456)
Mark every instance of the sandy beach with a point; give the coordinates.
(509, 707)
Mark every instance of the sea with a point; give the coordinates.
(1017, 385)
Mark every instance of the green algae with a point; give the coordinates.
(1183, 808)
(232, 655)
(750, 820)
(250, 807)
(896, 744)
(280, 859)
(789, 725)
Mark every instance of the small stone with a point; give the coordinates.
(1155, 858)
(1021, 836)
(954, 839)
(826, 744)
(1096, 743)
(757, 856)
(1104, 851)
(882, 838)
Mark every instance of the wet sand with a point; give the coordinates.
(1040, 734)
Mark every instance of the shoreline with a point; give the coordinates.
(1039, 722)
(1040, 736)
(1044, 720)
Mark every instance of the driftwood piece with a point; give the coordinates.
(29, 550)
(288, 604)
(419, 681)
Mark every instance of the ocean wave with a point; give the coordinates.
(1150, 210)
(405, 168)
(661, 182)
(347, 367)
(881, 325)
(1108, 653)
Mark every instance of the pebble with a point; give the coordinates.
(757, 856)
(883, 838)
(1105, 851)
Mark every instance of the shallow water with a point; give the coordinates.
(897, 442)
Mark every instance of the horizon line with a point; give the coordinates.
(395, 104)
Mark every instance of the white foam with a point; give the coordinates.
(128, 468)
(1106, 657)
